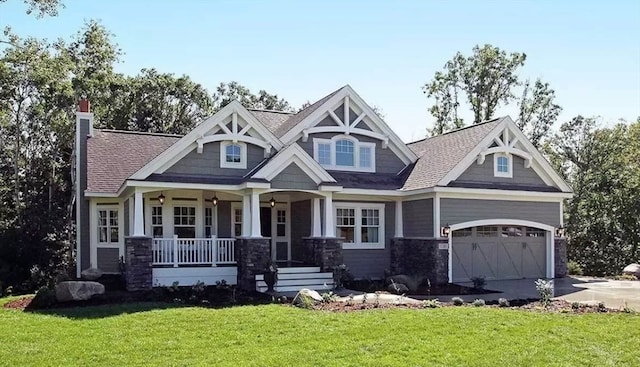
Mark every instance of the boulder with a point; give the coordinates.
(397, 288)
(77, 290)
(633, 269)
(306, 296)
(91, 274)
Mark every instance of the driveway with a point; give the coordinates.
(614, 293)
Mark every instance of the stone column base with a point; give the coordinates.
(560, 259)
(325, 252)
(138, 268)
(421, 257)
(252, 257)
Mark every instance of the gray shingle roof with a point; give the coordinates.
(440, 154)
(295, 119)
(271, 119)
(113, 156)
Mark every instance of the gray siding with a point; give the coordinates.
(108, 259)
(83, 221)
(417, 218)
(454, 211)
(126, 217)
(373, 263)
(293, 177)
(224, 219)
(300, 227)
(208, 162)
(484, 173)
(386, 159)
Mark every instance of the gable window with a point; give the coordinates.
(361, 225)
(108, 228)
(502, 165)
(345, 153)
(233, 155)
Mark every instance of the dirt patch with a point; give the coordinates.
(19, 304)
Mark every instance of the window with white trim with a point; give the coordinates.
(233, 155)
(156, 221)
(108, 228)
(361, 225)
(209, 229)
(345, 153)
(236, 225)
(502, 165)
(184, 221)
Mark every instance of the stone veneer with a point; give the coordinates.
(138, 269)
(560, 248)
(325, 252)
(422, 257)
(252, 257)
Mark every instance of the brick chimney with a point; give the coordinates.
(84, 106)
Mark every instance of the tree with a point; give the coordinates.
(485, 81)
(42, 7)
(227, 92)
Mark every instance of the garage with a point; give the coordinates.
(498, 252)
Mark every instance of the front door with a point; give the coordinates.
(280, 233)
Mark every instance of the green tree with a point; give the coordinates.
(227, 92)
(41, 7)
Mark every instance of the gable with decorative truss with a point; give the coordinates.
(505, 157)
(238, 134)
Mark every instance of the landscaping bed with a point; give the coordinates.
(448, 289)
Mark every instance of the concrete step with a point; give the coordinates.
(289, 276)
(301, 269)
(295, 288)
(301, 282)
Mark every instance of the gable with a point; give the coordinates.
(484, 173)
(208, 162)
(293, 154)
(293, 177)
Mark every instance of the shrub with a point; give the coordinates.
(431, 303)
(341, 276)
(329, 297)
(576, 305)
(573, 268)
(627, 277)
(503, 302)
(479, 302)
(545, 290)
(457, 301)
(45, 297)
(602, 307)
(479, 282)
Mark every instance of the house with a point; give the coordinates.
(328, 185)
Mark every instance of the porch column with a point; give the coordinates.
(399, 229)
(138, 222)
(255, 214)
(316, 225)
(329, 227)
(246, 215)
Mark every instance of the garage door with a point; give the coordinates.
(498, 252)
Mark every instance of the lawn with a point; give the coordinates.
(277, 335)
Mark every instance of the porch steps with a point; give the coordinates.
(294, 279)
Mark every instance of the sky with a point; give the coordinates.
(589, 51)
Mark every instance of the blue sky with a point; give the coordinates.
(589, 51)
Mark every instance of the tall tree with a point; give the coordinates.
(41, 7)
(538, 111)
(227, 92)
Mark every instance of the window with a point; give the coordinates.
(361, 225)
(487, 231)
(184, 221)
(108, 230)
(208, 222)
(156, 221)
(465, 232)
(535, 232)
(281, 223)
(512, 232)
(502, 165)
(233, 155)
(237, 222)
(345, 154)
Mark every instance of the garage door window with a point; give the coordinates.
(487, 231)
(512, 232)
(535, 232)
(466, 232)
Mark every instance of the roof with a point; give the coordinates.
(114, 155)
(438, 155)
(301, 115)
(271, 119)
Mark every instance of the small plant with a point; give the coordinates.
(503, 302)
(627, 277)
(350, 299)
(627, 309)
(478, 302)
(306, 302)
(431, 303)
(45, 297)
(545, 290)
(602, 307)
(364, 298)
(478, 282)
(573, 268)
(329, 297)
(576, 306)
(376, 301)
(341, 276)
(457, 301)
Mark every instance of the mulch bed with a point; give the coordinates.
(448, 289)
(19, 304)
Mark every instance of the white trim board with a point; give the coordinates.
(294, 154)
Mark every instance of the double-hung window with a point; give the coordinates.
(156, 221)
(184, 221)
(108, 227)
(361, 225)
(345, 153)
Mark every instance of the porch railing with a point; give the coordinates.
(193, 251)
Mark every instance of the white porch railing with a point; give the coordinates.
(193, 251)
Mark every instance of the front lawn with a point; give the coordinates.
(276, 335)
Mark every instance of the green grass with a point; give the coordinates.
(276, 335)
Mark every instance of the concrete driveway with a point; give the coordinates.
(614, 293)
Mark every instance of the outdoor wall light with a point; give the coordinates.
(161, 198)
(272, 202)
(445, 231)
(560, 231)
(214, 199)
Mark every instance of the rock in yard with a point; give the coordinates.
(380, 298)
(306, 296)
(397, 288)
(91, 274)
(77, 291)
(633, 269)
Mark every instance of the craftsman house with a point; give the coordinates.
(329, 185)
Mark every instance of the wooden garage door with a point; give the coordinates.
(498, 252)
